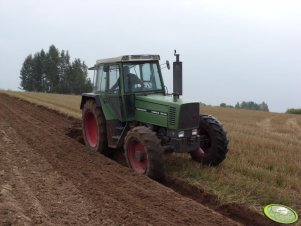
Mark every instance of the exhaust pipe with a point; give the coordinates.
(177, 77)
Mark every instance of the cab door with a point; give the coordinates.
(112, 96)
(107, 86)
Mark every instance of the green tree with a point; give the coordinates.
(224, 105)
(251, 105)
(26, 74)
(78, 78)
(53, 72)
(51, 69)
(38, 71)
(294, 111)
(64, 68)
(263, 107)
(237, 105)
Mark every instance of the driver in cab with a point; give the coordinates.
(130, 80)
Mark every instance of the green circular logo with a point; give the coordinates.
(280, 213)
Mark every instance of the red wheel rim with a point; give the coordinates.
(205, 148)
(137, 157)
(91, 129)
(198, 153)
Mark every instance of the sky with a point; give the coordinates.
(232, 50)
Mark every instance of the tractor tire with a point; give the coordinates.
(144, 153)
(94, 128)
(213, 151)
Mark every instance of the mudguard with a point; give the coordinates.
(88, 96)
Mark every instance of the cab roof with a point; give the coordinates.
(127, 58)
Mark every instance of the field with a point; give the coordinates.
(263, 164)
(48, 178)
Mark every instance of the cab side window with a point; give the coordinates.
(100, 82)
(114, 78)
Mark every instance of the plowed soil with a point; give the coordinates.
(48, 178)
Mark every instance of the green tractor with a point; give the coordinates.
(130, 110)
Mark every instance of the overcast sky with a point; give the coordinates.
(232, 50)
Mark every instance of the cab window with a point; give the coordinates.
(114, 78)
(100, 82)
(141, 76)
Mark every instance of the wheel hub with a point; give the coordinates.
(137, 157)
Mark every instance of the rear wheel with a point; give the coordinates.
(94, 128)
(213, 144)
(143, 152)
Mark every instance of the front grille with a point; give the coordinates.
(189, 116)
(172, 116)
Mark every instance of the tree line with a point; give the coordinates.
(250, 105)
(52, 72)
(293, 111)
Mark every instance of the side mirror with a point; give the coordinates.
(106, 68)
(167, 65)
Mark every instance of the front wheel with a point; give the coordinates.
(143, 152)
(213, 142)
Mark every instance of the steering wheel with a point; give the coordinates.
(147, 84)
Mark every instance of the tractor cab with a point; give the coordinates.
(118, 80)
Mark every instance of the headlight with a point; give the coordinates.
(194, 132)
(181, 134)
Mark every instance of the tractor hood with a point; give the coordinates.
(167, 112)
(164, 100)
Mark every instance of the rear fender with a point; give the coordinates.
(89, 96)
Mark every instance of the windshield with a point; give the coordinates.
(142, 76)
